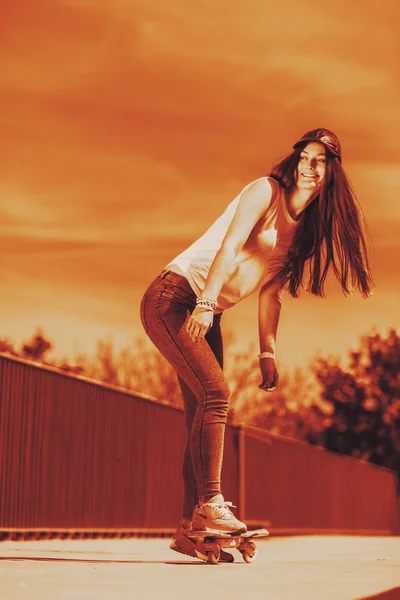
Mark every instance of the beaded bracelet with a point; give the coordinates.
(207, 304)
(266, 355)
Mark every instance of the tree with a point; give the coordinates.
(37, 348)
(364, 401)
(7, 347)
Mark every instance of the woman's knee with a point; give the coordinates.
(225, 391)
(217, 393)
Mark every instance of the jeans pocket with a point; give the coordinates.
(178, 294)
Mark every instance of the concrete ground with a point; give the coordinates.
(295, 568)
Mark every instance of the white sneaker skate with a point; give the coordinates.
(215, 516)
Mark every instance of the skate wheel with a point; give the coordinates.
(212, 558)
(250, 552)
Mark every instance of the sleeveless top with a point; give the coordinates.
(251, 269)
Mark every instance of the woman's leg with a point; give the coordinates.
(189, 481)
(165, 310)
(190, 499)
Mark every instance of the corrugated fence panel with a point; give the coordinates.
(75, 454)
(298, 486)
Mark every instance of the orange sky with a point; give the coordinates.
(128, 126)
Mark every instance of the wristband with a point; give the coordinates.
(207, 304)
(266, 355)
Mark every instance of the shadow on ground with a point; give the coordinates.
(392, 594)
(99, 561)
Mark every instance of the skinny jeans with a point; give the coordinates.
(165, 310)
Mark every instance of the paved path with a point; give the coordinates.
(299, 568)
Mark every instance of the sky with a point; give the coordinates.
(128, 126)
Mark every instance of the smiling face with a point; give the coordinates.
(312, 167)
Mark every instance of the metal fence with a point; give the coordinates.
(79, 456)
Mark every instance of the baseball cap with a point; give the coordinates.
(325, 137)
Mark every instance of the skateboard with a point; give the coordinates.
(209, 543)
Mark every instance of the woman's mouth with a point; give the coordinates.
(310, 176)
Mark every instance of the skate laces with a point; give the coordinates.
(223, 510)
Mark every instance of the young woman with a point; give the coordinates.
(304, 212)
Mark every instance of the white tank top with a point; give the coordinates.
(270, 238)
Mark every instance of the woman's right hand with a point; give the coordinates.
(200, 323)
(270, 376)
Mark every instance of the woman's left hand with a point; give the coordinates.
(270, 376)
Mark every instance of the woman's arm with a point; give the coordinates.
(269, 309)
(253, 203)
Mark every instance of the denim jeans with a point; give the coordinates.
(165, 310)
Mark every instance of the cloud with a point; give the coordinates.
(86, 267)
(128, 126)
(52, 46)
(228, 103)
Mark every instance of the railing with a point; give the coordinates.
(79, 457)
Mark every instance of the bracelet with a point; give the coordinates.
(207, 304)
(266, 355)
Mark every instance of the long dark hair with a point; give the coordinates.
(329, 234)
